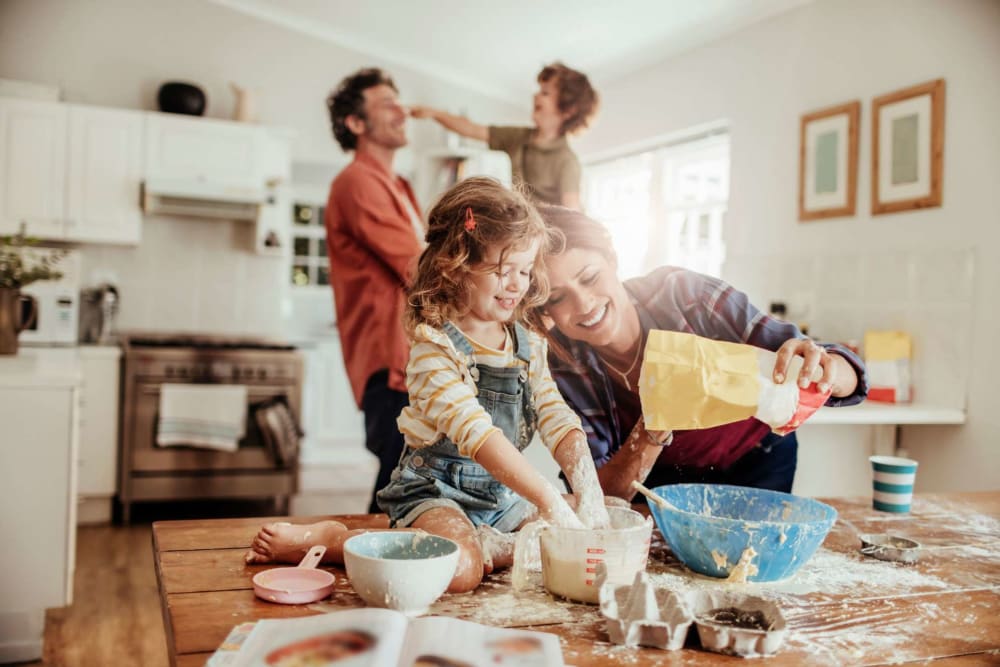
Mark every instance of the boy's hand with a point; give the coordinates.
(417, 111)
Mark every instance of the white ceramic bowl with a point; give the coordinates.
(401, 570)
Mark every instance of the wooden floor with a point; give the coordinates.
(115, 616)
(115, 619)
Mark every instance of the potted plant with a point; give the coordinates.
(20, 267)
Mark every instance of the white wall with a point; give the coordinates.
(933, 272)
(194, 274)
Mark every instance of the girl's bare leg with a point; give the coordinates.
(284, 542)
(453, 524)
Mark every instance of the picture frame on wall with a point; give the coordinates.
(828, 162)
(908, 148)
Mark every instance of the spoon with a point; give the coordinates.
(662, 503)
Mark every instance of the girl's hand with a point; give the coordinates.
(591, 509)
(813, 357)
(559, 514)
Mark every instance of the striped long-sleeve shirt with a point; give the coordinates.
(443, 396)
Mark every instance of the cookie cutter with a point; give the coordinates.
(885, 546)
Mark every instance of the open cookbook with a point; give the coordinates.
(382, 637)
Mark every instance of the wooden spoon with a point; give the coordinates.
(662, 502)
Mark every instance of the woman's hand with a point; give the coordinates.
(837, 374)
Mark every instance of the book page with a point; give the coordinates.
(439, 641)
(351, 638)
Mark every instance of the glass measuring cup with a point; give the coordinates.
(570, 556)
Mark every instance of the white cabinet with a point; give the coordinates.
(37, 502)
(32, 167)
(330, 417)
(70, 172)
(200, 149)
(98, 457)
(105, 169)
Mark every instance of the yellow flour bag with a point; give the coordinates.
(690, 382)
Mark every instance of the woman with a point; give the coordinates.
(596, 344)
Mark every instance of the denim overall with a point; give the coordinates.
(438, 476)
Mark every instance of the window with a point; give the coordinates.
(664, 205)
(309, 263)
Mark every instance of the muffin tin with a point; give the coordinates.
(642, 614)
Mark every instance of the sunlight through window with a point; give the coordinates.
(665, 205)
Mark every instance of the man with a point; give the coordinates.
(373, 235)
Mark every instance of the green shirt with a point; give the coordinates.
(548, 171)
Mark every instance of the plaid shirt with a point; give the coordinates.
(675, 299)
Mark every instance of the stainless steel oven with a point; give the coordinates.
(270, 371)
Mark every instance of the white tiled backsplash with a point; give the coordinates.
(928, 294)
(192, 274)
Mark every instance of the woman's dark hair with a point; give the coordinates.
(576, 96)
(569, 229)
(348, 99)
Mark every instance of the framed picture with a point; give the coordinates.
(828, 162)
(908, 148)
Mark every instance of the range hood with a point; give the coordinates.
(202, 199)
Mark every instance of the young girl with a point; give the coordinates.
(479, 388)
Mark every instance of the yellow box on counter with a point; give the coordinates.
(889, 357)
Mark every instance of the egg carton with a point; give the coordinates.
(642, 614)
(737, 624)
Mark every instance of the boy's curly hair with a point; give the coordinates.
(576, 96)
(441, 289)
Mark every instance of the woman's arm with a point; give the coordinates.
(509, 466)
(633, 461)
(459, 124)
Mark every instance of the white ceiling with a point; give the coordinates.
(497, 48)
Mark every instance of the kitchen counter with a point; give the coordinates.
(40, 367)
(50, 366)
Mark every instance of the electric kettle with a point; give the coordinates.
(98, 310)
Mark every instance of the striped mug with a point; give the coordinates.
(893, 483)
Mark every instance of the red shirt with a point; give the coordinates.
(372, 248)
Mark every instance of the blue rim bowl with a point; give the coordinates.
(714, 525)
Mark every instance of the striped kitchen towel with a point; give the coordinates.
(212, 416)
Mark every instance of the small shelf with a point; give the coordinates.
(872, 413)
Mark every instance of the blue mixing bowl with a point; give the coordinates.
(713, 526)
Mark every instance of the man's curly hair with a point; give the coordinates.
(348, 99)
(441, 288)
(576, 96)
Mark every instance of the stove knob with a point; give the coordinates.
(170, 371)
(261, 374)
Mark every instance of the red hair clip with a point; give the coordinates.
(470, 220)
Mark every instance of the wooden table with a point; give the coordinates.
(842, 607)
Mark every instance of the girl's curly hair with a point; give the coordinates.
(457, 247)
